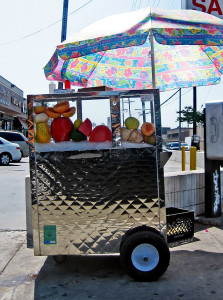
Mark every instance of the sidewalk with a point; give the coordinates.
(195, 272)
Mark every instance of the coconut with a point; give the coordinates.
(40, 118)
(136, 136)
(125, 133)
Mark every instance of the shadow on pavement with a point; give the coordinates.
(191, 275)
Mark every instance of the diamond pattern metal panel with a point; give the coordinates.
(94, 200)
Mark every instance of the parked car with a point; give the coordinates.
(187, 148)
(9, 152)
(18, 138)
(175, 146)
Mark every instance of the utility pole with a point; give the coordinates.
(64, 29)
(194, 109)
(179, 118)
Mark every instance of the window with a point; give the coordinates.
(12, 136)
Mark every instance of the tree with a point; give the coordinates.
(189, 115)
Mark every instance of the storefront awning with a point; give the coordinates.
(23, 123)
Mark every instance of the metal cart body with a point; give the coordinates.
(84, 201)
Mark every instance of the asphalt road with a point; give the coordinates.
(12, 187)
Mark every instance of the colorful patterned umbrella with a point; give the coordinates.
(119, 51)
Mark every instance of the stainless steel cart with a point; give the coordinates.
(108, 199)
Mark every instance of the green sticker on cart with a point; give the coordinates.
(50, 236)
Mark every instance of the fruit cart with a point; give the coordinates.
(98, 190)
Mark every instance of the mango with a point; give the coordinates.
(131, 123)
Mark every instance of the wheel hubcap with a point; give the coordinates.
(5, 159)
(145, 257)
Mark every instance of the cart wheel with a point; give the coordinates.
(145, 256)
(59, 259)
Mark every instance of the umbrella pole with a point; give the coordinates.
(152, 59)
(64, 30)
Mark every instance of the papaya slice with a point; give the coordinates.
(69, 113)
(148, 128)
(39, 109)
(61, 107)
(51, 113)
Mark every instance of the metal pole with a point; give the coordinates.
(152, 59)
(64, 29)
(129, 108)
(179, 118)
(123, 113)
(143, 112)
(194, 108)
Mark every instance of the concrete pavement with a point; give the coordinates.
(195, 272)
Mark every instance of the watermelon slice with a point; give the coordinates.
(100, 133)
(86, 127)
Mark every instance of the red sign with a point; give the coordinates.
(213, 7)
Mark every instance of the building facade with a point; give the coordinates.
(13, 107)
(173, 134)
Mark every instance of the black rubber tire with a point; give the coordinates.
(59, 259)
(137, 229)
(149, 238)
(5, 159)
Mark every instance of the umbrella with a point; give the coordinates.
(120, 52)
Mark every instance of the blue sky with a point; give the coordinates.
(22, 58)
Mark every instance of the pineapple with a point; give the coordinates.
(43, 133)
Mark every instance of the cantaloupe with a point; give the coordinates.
(69, 112)
(148, 128)
(39, 109)
(51, 113)
(61, 107)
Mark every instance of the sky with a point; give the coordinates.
(31, 30)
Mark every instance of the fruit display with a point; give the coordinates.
(77, 123)
(132, 133)
(61, 107)
(147, 128)
(42, 130)
(61, 129)
(69, 112)
(86, 127)
(51, 113)
(77, 136)
(40, 118)
(150, 139)
(43, 133)
(100, 134)
(136, 136)
(39, 109)
(125, 134)
(61, 126)
(131, 123)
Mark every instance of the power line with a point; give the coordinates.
(158, 3)
(169, 98)
(34, 33)
(175, 98)
(148, 3)
(139, 4)
(210, 88)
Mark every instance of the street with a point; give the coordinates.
(12, 186)
(195, 270)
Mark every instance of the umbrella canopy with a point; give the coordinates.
(116, 51)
